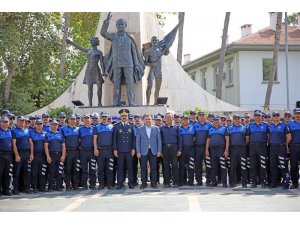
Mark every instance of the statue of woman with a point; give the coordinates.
(93, 74)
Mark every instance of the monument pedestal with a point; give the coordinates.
(114, 111)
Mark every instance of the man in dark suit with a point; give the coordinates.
(148, 147)
(124, 148)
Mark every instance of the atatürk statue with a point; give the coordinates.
(93, 74)
(153, 51)
(123, 60)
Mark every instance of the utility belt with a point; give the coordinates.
(217, 146)
(258, 144)
(87, 149)
(170, 145)
(200, 145)
(238, 146)
(105, 147)
(189, 147)
(277, 144)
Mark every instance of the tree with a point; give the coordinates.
(180, 38)
(275, 61)
(222, 57)
(293, 19)
(64, 43)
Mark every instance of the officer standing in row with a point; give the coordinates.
(158, 121)
(172, 148)
(287, 117)
(295, 148)
(46, 123)
(187, 158)
(217, 147)
(201, 133)
(137, 123)
(39, 164)
(55, 150)
(280, 137)
(62, 120)
(124, 148)
(72, 164)
(87, 158)
(6, 160)
(238, 153)
(258, 133)
(193, 119)
(103, 151)
(23, 156)
(177, 119)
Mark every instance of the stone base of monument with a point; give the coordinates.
(114, 111)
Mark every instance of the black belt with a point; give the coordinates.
(5, 153)
(87, 149)
(238, 146)
(55, 152)
(276, 144)
(295, 145)
(200, 145)
(39, 153)
(23, 150)
(258, 144)
(72, 149)
(170, 145)
(187, 147)
(217, 146)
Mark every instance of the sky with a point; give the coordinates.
(203, 30)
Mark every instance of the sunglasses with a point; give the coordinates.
(247, 117)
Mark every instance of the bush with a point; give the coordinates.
(197, 109)
(54, 112)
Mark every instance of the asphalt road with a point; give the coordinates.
(184, 199)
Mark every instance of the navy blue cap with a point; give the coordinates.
(38, 122)
(184, 117)
(45, 115)
(210, 114)
(5, 119)
(158, 117)
(21, 118)
(32, 118)
(11, 116)
(297, 110)
(130, 116)
(95, 115)
(201, 113)
(192, 112)
(161, 115)
(72, 116)
(124, 112)
(54, 122)
(223, 117)
(216, 117)
(258, 112)
(116, 118)
(78, 115)
(276, 113)
(86, 115)
(242, 117)
(4, 112)
(37, 117)
(104, 114)
(236, 116)
(288, 113)
(136, 116)
(267, 115)
(62, 114)
(177, 115)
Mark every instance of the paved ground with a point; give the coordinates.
(160, 200)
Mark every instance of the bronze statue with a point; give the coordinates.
(93, 74)
(123, 60)
(153, 51)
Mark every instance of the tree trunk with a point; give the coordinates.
(180, 38)
(275, 61)
(7, 85)
(64, 43)
(219, 77)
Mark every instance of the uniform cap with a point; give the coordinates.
(137, 116)
(45, 115)
(72, 116)
(158, 118)
(95, 115)
(123, 112)
(54, 122)
(192, 112)
(257, 112)
(5, 119)
(86, 115)
(297, 110)
(236, 116)
(177, 115)
(78, 115)
(38, 122)
(61, 114)
(184, 117)
(288, 113)
(11, 116)
(32, 118)
(130, 116)
(211, 114)
(104, 114)
(216, 117)
(276, 113)
(21, 118)
(201, 113)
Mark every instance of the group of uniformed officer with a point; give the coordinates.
(41, 152)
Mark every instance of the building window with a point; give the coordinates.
(216, 72)
(203, 79)
(193, 75)
(267, 67)
(230, 72)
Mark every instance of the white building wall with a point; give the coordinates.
(253, 90)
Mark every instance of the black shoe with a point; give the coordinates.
(15, 192)
(180, 184)
(7, 193)
(154, 185)
(59, 189)
(50, 189)
(199, 184)
(213, 185)
(244, 185)
(130, 186)
(119, 186)
(35, 190)
(253, 186)
(232, 185)
(263, 185)
(273, 185)
(75, 188)
(101, 187)
(176, 186)
(92, 188)
(167, 185)
(110, 187)
(68, 188)
(84, 188)
(225, 186)
(28, 191)
(294, 186)
(135, 184)
(191, 184)
(143, 186)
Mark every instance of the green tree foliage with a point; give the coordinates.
(30, 50)
(161, 16)
(54, 112)
(197, 109)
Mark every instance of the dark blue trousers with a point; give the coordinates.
(218, 160)
(6, 169)
(238, 156)
(105, 162)
(277, 158)
(56, 170)
(153, 170)
(295, 158)
(186, 163)
(88, 166)
(72, 168)
(22, 168)
(199, 158)
(258, 154)
(38, 172)
(124, 158)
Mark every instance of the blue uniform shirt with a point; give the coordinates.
(258, 133)
(5, 140)
(105, 134)
(201, 131)
(38, 139)
(71, 135)
(295, 131)
(171, 135)
(86, 136)
(55, 141)
(217, 135)
(22, 137)
(46, 128)
(237, 134)
(278, 133)
(187, 135)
